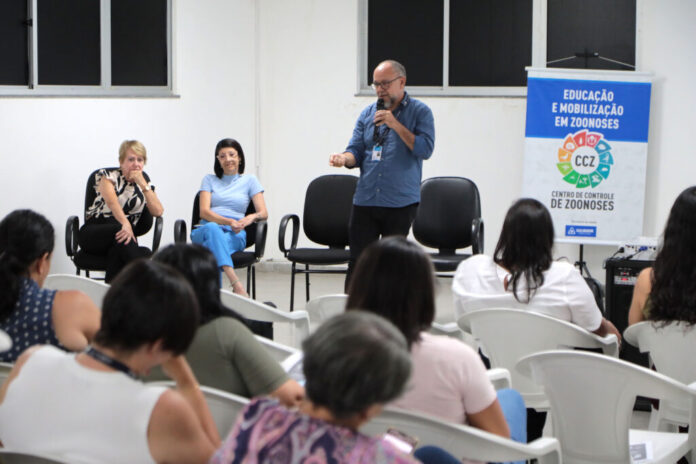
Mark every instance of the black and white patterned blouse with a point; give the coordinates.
(130, 197)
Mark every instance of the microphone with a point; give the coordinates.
(375, 133)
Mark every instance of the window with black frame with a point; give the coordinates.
(68, 47)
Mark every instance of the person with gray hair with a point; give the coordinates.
(390, 140)
(353, 364)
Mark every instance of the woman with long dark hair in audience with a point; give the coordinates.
(667, 291)
(449, 379)
(522, 274)
(224, 353)
(29, 314)
(224, 198)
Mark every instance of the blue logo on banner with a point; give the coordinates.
(580, 231)
(557, 107)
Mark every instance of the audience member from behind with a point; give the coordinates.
(29, 314)
(667, 291)
(224, 199)
(113, 220)
(449, 379)
(522, 274)
(224, 353)
(91, 407)
(353, 364)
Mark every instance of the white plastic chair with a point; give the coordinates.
(8, 456)
(451, 329)
(224, 406)
(592, 400)
(672, 350)
(462, 441)
(251, 309)
(325, 307)
(5, 341)
(5, 369)
(278, 351)
(509, 334)
(93, 288)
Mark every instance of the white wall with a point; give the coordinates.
(304, 58)
(50, 145)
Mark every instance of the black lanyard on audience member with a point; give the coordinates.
(111, 362)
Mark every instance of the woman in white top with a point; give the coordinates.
(522, 274)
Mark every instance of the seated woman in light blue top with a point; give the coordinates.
(224, 198)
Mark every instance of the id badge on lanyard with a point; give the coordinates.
(377, 153)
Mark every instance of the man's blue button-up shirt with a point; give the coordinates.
(394, 181)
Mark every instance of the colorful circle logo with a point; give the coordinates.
(585, 159)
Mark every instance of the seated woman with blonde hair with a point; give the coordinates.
(113, 220)
(667, 291)
(28, 313)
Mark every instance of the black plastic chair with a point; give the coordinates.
(255, 236)
(327, 207)
(449, 218)
(93, 262)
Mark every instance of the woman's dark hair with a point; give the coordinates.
(148, 301)
(25, 236)
(395, 279)
(228, 143)
(198, 265)
(673, 292)
(353, 361)
(525, 246)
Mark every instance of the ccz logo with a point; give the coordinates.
(585, 159)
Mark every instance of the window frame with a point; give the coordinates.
(539, 36)
(105, 89)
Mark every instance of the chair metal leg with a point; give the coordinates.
(292, 287)
(253, 281)
(307, 280)
(248, 279)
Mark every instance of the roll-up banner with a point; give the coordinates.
(585, 153)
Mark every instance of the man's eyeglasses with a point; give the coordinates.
(384, 85)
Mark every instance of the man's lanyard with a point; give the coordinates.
(381, 135)
(111, 362)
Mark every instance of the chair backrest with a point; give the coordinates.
(5, 341)
(506, 335)
(278, 351)
(592, 399)
(251, 309)
(224, 406)
(451, 329)
(672, 347)
(5, 369)
(146, 219)
(250, 229)
(446, 211)
(17, 457)
(327, 207)
(93, 288)
(462, 441)
(325, 307)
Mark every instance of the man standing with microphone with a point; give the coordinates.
(390, 140)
